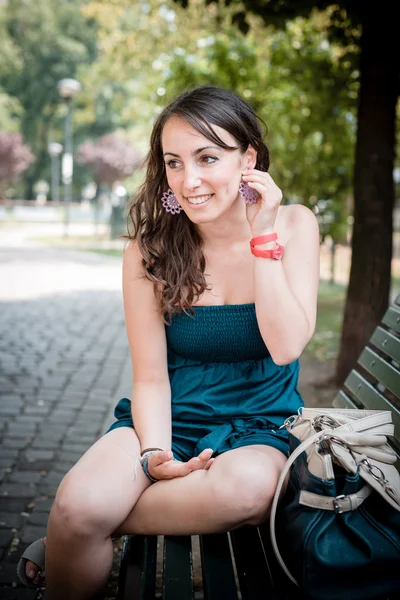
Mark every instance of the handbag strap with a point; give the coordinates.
(303, 446)
(339, 504)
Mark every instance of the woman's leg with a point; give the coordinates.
(237, 490)
(95, 496)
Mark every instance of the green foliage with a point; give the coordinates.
(43, 45)
(10, 113)
(299, 87)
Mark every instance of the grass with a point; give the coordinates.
(324, 344)
(73, 241)
(107, 251)
(82, 243)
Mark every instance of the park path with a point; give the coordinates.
(64, 362)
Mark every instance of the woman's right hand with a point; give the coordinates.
(161, 464)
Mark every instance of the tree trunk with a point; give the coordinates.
(370, 274)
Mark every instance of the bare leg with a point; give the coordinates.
(91, 502)
(238, 489)
(96, 497)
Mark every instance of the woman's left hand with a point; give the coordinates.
(262, 214)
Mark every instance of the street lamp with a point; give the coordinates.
(67, 88)
(55, 150)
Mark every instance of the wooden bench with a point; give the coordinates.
(241, 564)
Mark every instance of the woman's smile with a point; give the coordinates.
(198, 201)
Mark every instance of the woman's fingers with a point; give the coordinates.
(263, 183)
(162, 466)
(197, 462)
(160, 457)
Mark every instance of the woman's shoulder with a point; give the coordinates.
(295, 217)
(132, 256)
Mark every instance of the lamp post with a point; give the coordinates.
(55, 150)
(67, 88)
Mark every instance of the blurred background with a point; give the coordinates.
(81, 82)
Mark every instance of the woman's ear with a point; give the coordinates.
(250, 157)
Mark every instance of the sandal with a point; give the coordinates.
(36, 553)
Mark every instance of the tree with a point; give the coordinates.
(10, 113)
(368, 35)
(111, 158)
(312, 133)
(15, 158)
(42, 44)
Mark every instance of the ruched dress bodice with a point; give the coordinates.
(220, 367)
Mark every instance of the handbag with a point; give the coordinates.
(336, 530)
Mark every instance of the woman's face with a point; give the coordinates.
(204, 177)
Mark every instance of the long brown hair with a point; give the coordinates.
(171, 245)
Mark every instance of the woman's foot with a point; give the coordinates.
(31, 565)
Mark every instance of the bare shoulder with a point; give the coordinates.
(297, 218)
(138, 290)
(144, 320)
(132, 259)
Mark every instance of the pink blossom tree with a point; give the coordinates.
(111, 158)
(15, 158)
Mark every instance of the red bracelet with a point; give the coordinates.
(276, 252)
(264, 239)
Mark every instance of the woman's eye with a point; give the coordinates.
(208, 160)
(172, 164)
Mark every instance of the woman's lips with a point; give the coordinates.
(199, 200)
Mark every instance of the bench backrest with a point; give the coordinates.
(375, 381)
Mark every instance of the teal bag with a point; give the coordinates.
(336, 530)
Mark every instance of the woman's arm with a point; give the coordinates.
(286, 290)
(151, 397)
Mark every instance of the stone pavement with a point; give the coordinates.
(64, 361)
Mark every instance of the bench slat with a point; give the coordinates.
(343, 401)
(178, 576)
(384, 373)
(283, 588)
(218, 574)
(370, 398)
(386, 342)
(397, 450)
(251, 565)
(137, 576)
(391, 318)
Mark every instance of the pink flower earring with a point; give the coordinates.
(170, 203)
(248, 194)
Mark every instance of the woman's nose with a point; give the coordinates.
(192, 179)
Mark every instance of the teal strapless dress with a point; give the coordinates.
(226, 390)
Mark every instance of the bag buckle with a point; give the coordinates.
(336, 506)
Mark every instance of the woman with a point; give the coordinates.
(220, 288)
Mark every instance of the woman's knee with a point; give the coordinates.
(247, 485)
(78, 510)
